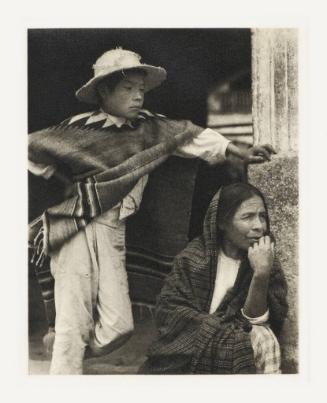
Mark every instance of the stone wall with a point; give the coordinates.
(275, 86)
(278, 182)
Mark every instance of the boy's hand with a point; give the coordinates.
(258, 154)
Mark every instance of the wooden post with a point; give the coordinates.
(274, 88)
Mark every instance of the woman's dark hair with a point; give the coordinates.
(113, 79)
(231, 197)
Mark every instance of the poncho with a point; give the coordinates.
(192, 341)
(103, 165)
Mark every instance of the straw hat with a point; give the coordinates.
(117, 60)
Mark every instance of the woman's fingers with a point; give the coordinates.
(263, 242)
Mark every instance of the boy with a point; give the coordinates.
(105, 157)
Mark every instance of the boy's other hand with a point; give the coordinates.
(258, 154)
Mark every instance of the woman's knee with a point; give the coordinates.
(266, 350)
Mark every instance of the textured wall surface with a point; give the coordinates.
(275, 121)
(278, 180)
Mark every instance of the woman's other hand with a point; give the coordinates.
(261, 256)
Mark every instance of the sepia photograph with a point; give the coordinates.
(163, 201)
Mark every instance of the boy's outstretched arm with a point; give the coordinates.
(214, 148)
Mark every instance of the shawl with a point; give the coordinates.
(103, 165)
(192, 341)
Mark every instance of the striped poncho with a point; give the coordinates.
(103, 165)
(190, 339)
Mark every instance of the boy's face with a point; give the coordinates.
(127, 98)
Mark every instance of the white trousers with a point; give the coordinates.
(92, 302)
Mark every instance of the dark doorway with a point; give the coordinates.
(60, 61)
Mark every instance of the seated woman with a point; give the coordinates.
(224, 302)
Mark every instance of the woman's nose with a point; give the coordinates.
(258, 224)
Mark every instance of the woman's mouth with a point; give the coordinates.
(254, 239)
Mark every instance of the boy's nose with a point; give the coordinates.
(138, 95)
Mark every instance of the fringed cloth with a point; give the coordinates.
(104, 165)
(192, 341)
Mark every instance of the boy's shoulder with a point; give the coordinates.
(145, 114)
(81, 118)
(96, 116)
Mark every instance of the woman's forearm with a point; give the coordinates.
(256, 301)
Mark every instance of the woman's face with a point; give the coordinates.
(248, 224)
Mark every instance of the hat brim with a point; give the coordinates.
(154, 77)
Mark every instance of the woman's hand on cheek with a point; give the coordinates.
(261, 256)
